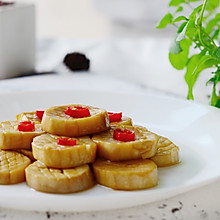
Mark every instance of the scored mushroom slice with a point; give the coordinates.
(167, 153)
(52, 180)
(35, 116)
(145, 143)
(12, 167)
(27, 153)
(59, 120)
(126, 175)
(47, 149)
(13, 138)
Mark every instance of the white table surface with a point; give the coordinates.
(202, 203)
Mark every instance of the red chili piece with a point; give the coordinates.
(66, 141)
(26, 126)
(40, 114)
(77, 112)
(124, 135)
(114, 117)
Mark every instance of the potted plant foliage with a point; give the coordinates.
(196, 44)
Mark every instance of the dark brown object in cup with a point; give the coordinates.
(6, 3)
(76, 61)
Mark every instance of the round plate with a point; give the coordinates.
(191, 126)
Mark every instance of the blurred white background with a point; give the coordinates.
(95, 27)
(68, 18)
(98, 19)
(105, 21)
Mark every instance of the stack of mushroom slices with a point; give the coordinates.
(70, 148)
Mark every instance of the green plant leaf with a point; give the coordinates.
(197, 63)
(201, 30)
(175, 47)
(167, 19)
(215, 100)
(212, 5)
(217, 104)
(215, 34)
(192, 28)
(195, 12)
(216, 53)
(212, 23)
(176, 2)
(182, 34)
(181, 27)
(180, 59)
(179, 9)
(180, 18)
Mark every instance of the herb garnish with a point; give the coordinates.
(196, 44)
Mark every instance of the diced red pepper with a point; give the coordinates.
(26, 126)
(77, 112)
(40, 114)
(114, 117)
(66, 141)
(124, 135)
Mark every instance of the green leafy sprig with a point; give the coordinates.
(196, 44)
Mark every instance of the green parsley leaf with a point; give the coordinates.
(179, 9)
(176, 2)
(167, 19)
(175, 47)
(180, 18)
(182, 34)
(212, 5)
(182, 26)
(215, 100)
(195, 12)
(179, 60)
(216, 35)
(195, 66)
(216, 53)
(200, 31)
(212, 23)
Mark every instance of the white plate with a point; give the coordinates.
(193, 127)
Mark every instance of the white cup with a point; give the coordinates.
(17, 39)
